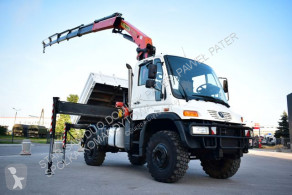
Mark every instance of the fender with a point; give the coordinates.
(163, 115)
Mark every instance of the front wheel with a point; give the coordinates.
(221, 169)
(167, 158)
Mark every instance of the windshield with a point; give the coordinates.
(194, 80)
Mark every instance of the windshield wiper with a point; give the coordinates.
(210, 98)
(185, 94)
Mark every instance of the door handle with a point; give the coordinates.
(136, 102)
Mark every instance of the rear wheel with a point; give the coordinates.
(136, 160)
(93, 153)
(221, 169)
(167, 159)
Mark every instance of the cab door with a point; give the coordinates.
(146, 100)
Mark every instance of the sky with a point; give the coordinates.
(257, 64)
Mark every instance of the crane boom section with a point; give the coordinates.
(139, 37)
(115, 22)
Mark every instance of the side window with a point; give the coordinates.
(158, 80)
(143, 75)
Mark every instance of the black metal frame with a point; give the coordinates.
(219, 137)
(68, 127)
(61, 107)
(289, 104)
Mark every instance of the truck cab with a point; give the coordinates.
(181, 85)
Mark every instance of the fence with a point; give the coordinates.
(59, 136)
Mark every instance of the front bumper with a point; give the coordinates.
(228, 136)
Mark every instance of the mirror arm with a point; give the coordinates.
(157, 89)
(162, 94)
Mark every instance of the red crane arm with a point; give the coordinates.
(115, 22)
(139, 37)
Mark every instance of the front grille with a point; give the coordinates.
(230, 142)
(226, 116)
(229, 132)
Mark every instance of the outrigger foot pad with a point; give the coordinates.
(49, 170)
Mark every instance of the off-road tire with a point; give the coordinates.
(221, 169)
(171, 168)
(135, 160)
(93, 155)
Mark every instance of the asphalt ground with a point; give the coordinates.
(261, 172)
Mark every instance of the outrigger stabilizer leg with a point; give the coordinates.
(61, 107)
(66, 130)
(52, 135)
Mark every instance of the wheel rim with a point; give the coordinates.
(159, 156)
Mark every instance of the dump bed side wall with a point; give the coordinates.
(101, 90)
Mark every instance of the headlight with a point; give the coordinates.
(200, 130)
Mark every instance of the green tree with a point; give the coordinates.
(64, 118)
(73, 98)
(3, 130)
(283, 128)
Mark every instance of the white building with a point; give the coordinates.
(265, 130)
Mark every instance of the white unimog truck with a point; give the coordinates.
(173, 110)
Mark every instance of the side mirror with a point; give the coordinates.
(225, 86)
(150, 83)
(152, 71)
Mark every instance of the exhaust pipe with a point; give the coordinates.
(130, 85)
